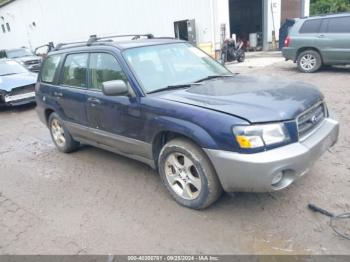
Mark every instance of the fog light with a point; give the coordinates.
(277, 179)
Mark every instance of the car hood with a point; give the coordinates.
(256, 99)
(9, 82)
(27, 58)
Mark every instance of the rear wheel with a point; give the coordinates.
(188, 174)
(60, 135)
(309, 61)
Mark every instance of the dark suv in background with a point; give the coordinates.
(24, 56)
(316, 41)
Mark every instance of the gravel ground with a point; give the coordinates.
(96, 202)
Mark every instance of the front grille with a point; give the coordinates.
(32, 62)
(22, 90)
(310, 119)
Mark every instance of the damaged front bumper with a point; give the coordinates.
(257, 172)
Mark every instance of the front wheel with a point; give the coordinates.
(309, 61)
(188, 174)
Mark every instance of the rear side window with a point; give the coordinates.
(311, 26)
(49, 68)
(339, 25)
(75, 70)
(104, 67)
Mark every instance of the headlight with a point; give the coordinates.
(261, 135)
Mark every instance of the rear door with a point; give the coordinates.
(308, 34)
(71, 93)
(334, 39)
(116, 121)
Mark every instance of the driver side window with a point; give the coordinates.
(104, 67)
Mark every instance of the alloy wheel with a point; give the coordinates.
(182, 176)
(308, 62)
(58, 133)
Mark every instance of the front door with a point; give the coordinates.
(116, 121)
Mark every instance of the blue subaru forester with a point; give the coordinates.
(166, 103)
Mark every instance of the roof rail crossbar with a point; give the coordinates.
(94, 38)
(50, 46)
(135, 36)
(165, 37)
(60, 45)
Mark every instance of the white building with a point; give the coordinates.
(36, 22)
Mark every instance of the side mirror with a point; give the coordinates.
(115, 88)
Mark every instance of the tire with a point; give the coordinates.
(61, 136)
(188, 174)
(309, 61)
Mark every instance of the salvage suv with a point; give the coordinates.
(168, 104)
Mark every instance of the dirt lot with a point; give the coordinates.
(96, 202)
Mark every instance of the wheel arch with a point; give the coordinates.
(48, 112)
(302, 49)
(164, 136)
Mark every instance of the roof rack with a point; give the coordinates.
(50, 46)
(60, 45)
(93, 38)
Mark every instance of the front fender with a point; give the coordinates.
(183, 127)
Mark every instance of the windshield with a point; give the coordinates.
(11, 68)
(18, 53)
(157, 67)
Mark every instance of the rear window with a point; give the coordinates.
(339, 25)
(49, 68)
(311, 26)
(75, 70)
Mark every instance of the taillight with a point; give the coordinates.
(287, 41)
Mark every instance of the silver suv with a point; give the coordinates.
(316, 41)
(23, 56)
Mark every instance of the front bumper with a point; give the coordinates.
(18, 102)
(255, 172)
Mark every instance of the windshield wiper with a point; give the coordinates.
(213, 77)
(172, 87)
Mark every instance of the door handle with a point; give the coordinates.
(58, 94)
(94, 100)
(321, 36)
